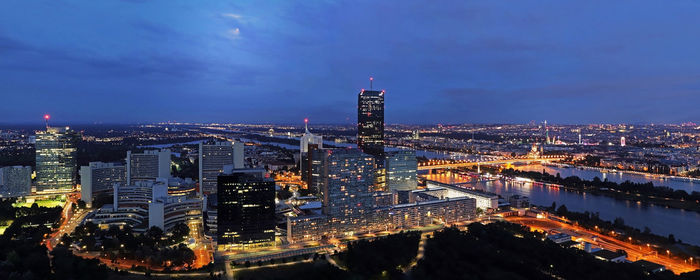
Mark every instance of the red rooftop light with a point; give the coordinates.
(46, 117)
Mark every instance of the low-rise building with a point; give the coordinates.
(610, 256)
(649, 267)
(484, 200)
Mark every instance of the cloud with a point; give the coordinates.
(234, 33)
(232, 15)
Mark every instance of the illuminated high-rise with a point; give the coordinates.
(246, 208)
(149, 165)
(370, 123)
(401, 169)
(56, 159)
(345, 180)
(212, 159)
(370, 131)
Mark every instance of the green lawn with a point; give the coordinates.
(3, 227)
(50, 203)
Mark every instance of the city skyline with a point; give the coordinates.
(245, 63)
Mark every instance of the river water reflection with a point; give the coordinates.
(588, 174)
(684, 225)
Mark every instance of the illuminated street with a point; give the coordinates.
(634, 251)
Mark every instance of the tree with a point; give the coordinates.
(179, 233)
(619, 222)
(562, 211)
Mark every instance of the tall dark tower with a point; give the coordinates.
(370, 130)
(370, 123)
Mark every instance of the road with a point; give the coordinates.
(71, 219)
(634, 251)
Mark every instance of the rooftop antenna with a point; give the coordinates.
(306, 124)
(46, 119)
(370, 82)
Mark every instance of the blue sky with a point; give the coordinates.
(485, 61)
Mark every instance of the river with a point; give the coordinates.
(684, 225)
(589, 173)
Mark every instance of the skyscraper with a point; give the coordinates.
(149, 165)
(98, 178)
(246, 208)
(307, 144)
(213, 157)
(345, 182)
(370, 123)
(370, 130)
(56, 159)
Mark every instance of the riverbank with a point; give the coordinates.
(609, 170)
(636, 192)
(664, 245)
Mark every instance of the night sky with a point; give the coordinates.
(485, 61)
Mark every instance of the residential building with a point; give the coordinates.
(346, 182)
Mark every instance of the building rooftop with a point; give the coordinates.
(607, 254)
(648, 266)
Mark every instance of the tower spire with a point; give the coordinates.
(306, 124)
(46, 120)
(370, 82)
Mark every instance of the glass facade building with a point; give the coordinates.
(401, 168)
(246, 208)
(56, 159)
(370, 123)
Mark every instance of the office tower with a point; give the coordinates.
(15, 181)
(309, 138)
(370, 123)
(401, 168)
(98, 179)
(213, 157)
(370, 131)
(149, 165)
(56, 159)
(345, 182)
(308, 143)
(622, 141)
(246, 208)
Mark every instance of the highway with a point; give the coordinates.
(634, 251)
